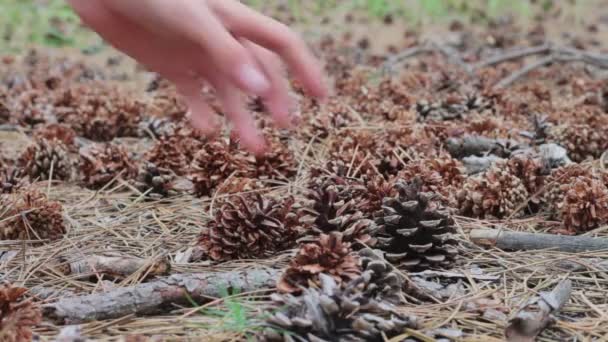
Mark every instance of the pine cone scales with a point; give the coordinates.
(212, 165)
(17, 316)
(496, 193)
(415, 232)
(585, 204)
(249, 229)
(155, 181)
(45, 157)
(329, 254)
(11, 179)
(333, 314)
(31, 216)
(103, 162)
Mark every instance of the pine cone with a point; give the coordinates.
(174, 153)
(333, 314)
(31, 216)
(11, 179)
(277, 163)
(327, 201)
(531, 172)
(440, 175)
(17, 315)
(38, 160)
(157, 128)
(102, 162)
(585, 204)
(416, 232)
(213, 165)
(251, 228)
(557, 185)
(328, 254)
(581, 140)
(60, 132)
(155, 181)
(496, 193)
(379, 280)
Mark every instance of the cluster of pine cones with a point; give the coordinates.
(373, 184)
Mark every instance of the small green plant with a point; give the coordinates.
(233, 314)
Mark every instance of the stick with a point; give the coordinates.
(507, 240)
(537, 314)
(507, 81)
(155, 296)
(116, 267)
(514, 54)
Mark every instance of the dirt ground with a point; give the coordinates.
(466, 109)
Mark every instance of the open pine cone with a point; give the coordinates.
(102, 162)
(585, 204)
(60, 132)
(251, 228)
(334, 314)
(495, 193)
(213, 164)
(17, 315)
(329, 254)
(46, 156)
(558, 183)
(174, 153)
(581, 140)
(31, 216)
(155, 181)
(440, 175)
(415, 231)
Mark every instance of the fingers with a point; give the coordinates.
(193, 23)
(277, 99)
(201, 115)
(265, 31)
(235, 108)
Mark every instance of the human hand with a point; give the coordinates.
(223, 43)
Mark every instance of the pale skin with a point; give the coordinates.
(222, 43)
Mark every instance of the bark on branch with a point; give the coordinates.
(155, 296)
(537, 314)
(116, 267)
(507, 240)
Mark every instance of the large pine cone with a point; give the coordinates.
(415, 231)
(585, 204)
(31, 216)
(102, 162)
(174, 153)
(213, 164)
(581, 140)
(558, 183)
(334, 314)
(251, 228)
(495, 193)
(439, 175)
(329, 254)
(42, 156)
(17, 315)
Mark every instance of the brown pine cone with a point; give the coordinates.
(60, 132)
(155, 181)
(495, 193)
(174, 153)
(440, 175)
(582, 141)
(328, 254)
(585, 204)
(416, 232)
(17, 315)
(213, 164)
(102, 162)
(31, 216)
(277, 163)
(46, 156)
(557, 185)
(331, 313)
(249, 228)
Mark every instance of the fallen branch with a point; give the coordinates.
(116, 267)
(507, 240)
(538, 313)
(158, 295)
(428, 47)
(478, 145)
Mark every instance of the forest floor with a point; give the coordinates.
(107, 189)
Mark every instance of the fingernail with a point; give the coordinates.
(253, 79)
